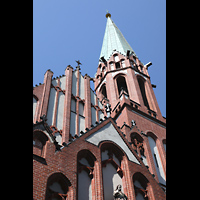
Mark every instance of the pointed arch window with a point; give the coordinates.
(85, 168)
(141, 185)
(117, 65)
(123, 63)
(111, 157)
(35, 107)
(121, 84)
(132, 63)
(117, 61)
(39, 141)
(111, 65)
(116, 58)
(103, 90)
(57, 187)
(143, 92)
(156, 157)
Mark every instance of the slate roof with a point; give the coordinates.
(113, 40)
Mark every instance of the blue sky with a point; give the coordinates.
(68, 30)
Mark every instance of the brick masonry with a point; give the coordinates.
(125, 106)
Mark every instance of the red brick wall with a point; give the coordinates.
(66, 160)
(66, 163)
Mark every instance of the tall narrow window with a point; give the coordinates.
(111, 65)
(131, 62)
(121, 84)
(81, 116)
(85, 169)
(116, 58)
(34, 107)
(142, 89)
(73, 117)
(141, 186)
(157, 160)
(111, 158)
(81, 108)
(104, 92)
(123, 63)
(117, 65)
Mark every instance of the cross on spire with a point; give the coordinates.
(79, 63)
(108, 14)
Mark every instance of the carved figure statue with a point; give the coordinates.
(139, 147)
(118, 194)
(108, 109)
(133, 123)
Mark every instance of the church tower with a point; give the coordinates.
(122, 83)
(102, 144)
(120, 73)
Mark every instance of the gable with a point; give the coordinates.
(109, 133)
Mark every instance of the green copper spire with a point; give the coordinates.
(113, 40)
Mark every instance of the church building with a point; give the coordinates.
(102, 144)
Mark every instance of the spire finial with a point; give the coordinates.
(108, 14)
(79, 63)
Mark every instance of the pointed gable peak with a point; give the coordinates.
(113, 40)
(109, 132)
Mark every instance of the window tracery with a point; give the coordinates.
(57, 187)
(141, 185)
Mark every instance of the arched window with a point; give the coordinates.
(143, 92)
(156, 158)
(57, 187)
(121, 84)
(123, 63)
(85, 170)
(39, 141)
(117, 63)
(111, 157)
(132, 63)
(164, 144)
(111, 65)
(103, 91)
(116, 58)
(35, 101)
(141, 186)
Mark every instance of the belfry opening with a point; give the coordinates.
(121, 85)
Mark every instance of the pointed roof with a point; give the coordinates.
(113, 40)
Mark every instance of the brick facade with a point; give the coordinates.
(134, 147)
